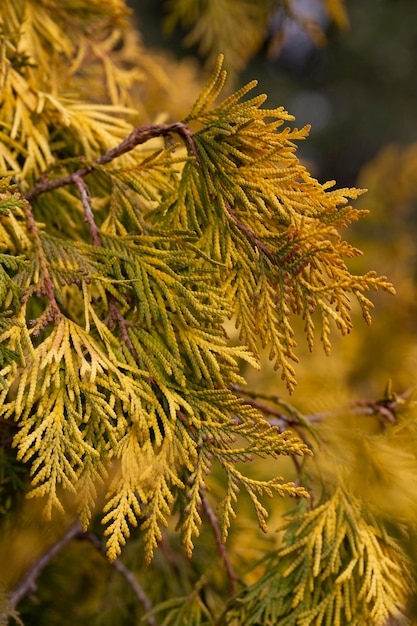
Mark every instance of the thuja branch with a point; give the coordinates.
(384, 409)
(139, 135)
(117, 319)
(88, 212)
(115, 316)
(52, 312)
(249, 234)
(127, 575)
(142, 134)
(28, 583)
(279, 419)
(291, 418)
(214, 523)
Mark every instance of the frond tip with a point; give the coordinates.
(274, 229)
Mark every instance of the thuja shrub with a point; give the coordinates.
(126, 245)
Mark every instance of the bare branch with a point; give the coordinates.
(249, 234)
(28, 583)
(139, 135)
(280, 420)
(88, 212)
(127, 575)
(142, 134)
(214, 523)
(384, 409)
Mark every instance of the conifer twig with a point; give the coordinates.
(28, 582)
(142, 134)
(280, 420)
(117, 319)
(52, 312)
(385, 409)
(115, 316)
(214, 523)
(138, 136)
(88, 212)
(127, 575)
(249, 234)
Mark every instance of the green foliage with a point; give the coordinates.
(123, 258)
(335, 567)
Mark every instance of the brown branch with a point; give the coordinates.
(52, 312)
(139, 135)
(127, 575)
(88, 212)
(249, 234)
(280, 420)
(115, 316)
(214, 523)
(28, 583)
(142, 134)
(117, 319)
(384, 409)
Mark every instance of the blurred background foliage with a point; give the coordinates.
(350, 70)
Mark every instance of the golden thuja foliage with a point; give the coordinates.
(124, 250)
(335, 567)
(44, 48)
(69, 70)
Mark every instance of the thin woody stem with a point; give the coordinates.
(214, 523)
(127, 575)
(28, 583)
(116, 318)
(278, 419)
(281, 420)
(88, 213)
(249, 234)
(142, 134)
(53, 312)
(385, 409)
(139, 135)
